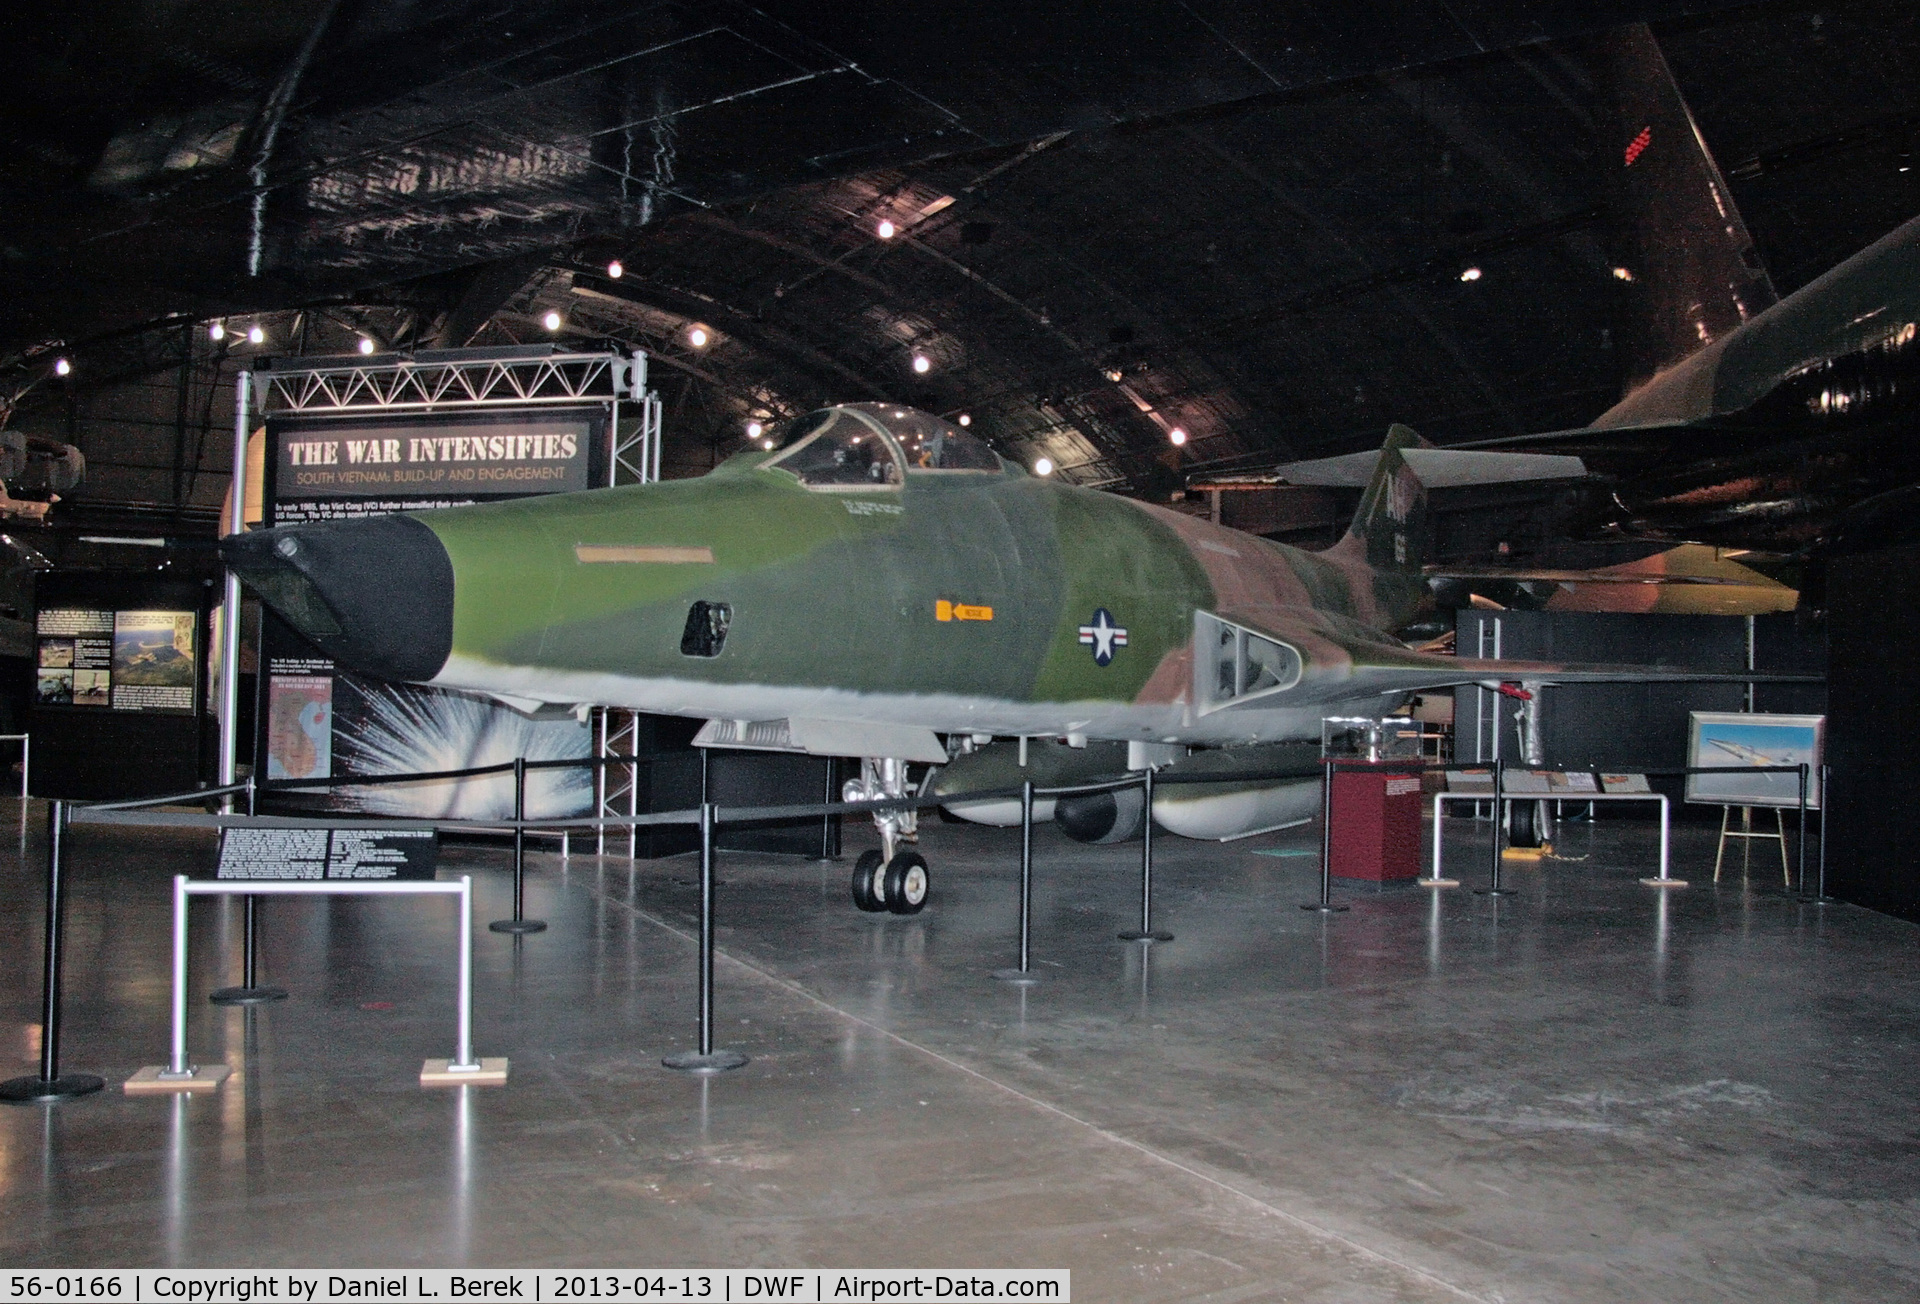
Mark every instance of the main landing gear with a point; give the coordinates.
(892, 878)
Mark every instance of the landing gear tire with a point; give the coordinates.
(867, 884)
(1524, 825)
(904, 888)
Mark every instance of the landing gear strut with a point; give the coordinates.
(892, 878)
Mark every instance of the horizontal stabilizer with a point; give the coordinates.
(1437, 468)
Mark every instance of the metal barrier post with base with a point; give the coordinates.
(1146, 932)
(180, 1074)
(1666, 879)
(1493, 888)
(1433, 879)
(1325, 905)
(1024, 974)
(51, 1084)
(519, 923)
(249, 992)
(706, 1059)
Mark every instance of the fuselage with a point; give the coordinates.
(976, 602)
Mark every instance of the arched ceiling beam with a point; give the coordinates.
(771, 341)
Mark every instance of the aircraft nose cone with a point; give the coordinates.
(376, 595)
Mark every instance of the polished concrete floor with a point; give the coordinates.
(1589, 1091)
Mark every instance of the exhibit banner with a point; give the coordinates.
(1745, 743)
(318, 720)
(117, 660)
(328, 468)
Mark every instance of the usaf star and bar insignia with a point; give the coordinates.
(1103, 636)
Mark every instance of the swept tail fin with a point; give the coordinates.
(1389, 531)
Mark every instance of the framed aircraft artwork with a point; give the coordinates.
(1747, 745)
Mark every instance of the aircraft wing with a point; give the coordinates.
(1385, 670)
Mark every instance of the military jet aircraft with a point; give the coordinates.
(877, 583)
(1749, 755)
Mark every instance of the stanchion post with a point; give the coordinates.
(1025, 973)
(1826, 804)
(1325, 905)
(1493, 888)
(249, 992)
(51, 1084)
(1800, 887)
(519, 924)
(706, 1059)
(1146, 932)
(827, 849)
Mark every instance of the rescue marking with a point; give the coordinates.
(944, 610)
(1103, 636)
(606, 552)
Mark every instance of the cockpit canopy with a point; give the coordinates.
(874, 446)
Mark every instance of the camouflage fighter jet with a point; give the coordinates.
(877, 583)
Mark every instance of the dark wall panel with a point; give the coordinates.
(1874, 690)
(99, 754)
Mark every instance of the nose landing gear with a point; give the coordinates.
(890, 879)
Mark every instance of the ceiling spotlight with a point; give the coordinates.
(366, 345)
(922, 364)
(1470, 274)
(767, 444)
(885, 230)
(551, 321)
(61, 367)
(615, 271)
(753, 429)
(256, 335)
(698, 337)
(1044, 466)
(217, 331)
(1622, 274)
(1177, 436)
(965, 420)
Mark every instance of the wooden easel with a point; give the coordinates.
(1746, 833)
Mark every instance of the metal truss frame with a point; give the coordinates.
(638, 453)
(494, 380)
(616, 782)
(443, 379)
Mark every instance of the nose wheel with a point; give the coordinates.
(898, 886)
(894, 878)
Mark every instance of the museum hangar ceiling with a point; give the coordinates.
(1270, 228)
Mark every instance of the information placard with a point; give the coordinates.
(294, 853)
(123, 660)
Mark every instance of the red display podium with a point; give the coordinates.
(1376, 824)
